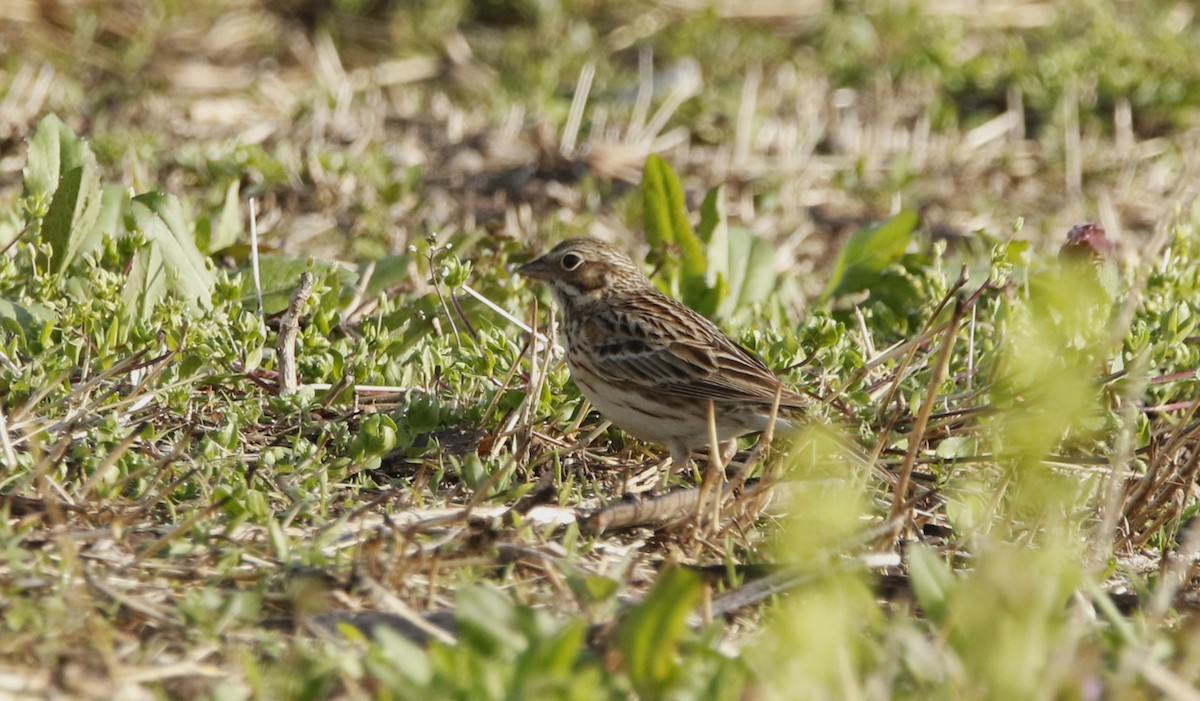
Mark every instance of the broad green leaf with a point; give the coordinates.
(957, 447)
(704, 282)
(932, 581)
(487, 620)
(161, 219)
(595, 587)
(146, 282)
(24, 315)
(667, 228)
(649, 636)
(53, 150)
(57, 225)
(62, 167)
(256, 503)
(387, 272)
(868, 253)
(114, 206)
(750, 270)
(714, 225)
(742, 263)
(12, 223)
(228, 228)
(663, 209)
(703, 297)
(406, 657)
(1012, 252)
(552, 655)
(280, 275)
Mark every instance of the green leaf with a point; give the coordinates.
(403, 655)
(742, 263)
(12, 224)
(594, 587)
(376, 437)
(663, 209)
(389, 271)
(114, 206)
(714, 225)
(668, 229)
(57, 225)
(649, 636)
(185, 271)
(747, 264)
(487, 620)
(868, 253)
(53, 150)
(551, 656)
(752, 274)
(280, 275)
(932, 581)
(704, 285)
(666, 217)
(453, 271)
(24, 315)
(279, 540)
(1012, 252)
(956, 447)
(146, 283)
(229, 226)
(256, 503)
(62, 167)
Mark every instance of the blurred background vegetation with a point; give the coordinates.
(363, 124)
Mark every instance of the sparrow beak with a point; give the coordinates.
(538, 269)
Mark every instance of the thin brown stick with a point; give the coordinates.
(714, 473)
(289, 327)
(917, 436)
(770, 478)
(657, 511)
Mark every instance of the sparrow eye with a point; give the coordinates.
(571, 261)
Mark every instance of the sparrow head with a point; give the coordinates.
(582, 269)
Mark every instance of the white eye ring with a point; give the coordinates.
(571, 261)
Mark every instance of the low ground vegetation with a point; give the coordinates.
(387, 486)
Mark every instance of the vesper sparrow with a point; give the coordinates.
(649, 363)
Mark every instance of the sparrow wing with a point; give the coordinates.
(676, 351)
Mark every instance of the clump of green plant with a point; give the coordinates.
(1014, 598)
